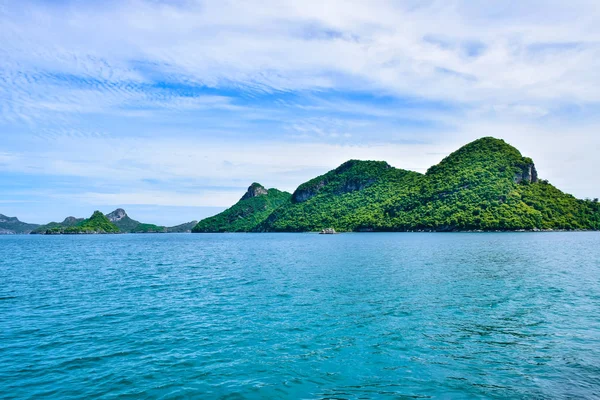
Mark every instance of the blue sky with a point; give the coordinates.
(171, 109)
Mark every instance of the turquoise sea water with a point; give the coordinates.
(398, 315)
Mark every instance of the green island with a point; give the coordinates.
(115, 222)
(486, 185)
(98, 223)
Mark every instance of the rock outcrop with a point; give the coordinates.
(303, 194)
(255, 190)
(528, 174)
(342, 180)
(116, 215)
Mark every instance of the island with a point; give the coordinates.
(486, 185)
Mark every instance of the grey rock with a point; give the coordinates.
(116, 215)
(528, 174)
(255, 190)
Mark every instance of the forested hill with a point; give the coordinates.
(485, 185)
(254, 206)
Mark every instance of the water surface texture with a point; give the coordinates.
(390, 315)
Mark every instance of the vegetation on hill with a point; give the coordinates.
(256, 205)
(147, 228)
(351, 197)
(488, 185)
(69, 221)
(97, 223)
(485, 185)
(118, 218)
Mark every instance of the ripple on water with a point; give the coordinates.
(510, 315)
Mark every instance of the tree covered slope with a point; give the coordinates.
(353, 196)
(68, 222)
(488, 185)
(256, 205)
(118, 218)
(485, 185)
(97, 223)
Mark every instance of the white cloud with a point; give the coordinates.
(288, 45)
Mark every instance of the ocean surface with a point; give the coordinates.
(300, 316)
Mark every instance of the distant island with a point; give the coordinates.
(487, 185)
(115, 222)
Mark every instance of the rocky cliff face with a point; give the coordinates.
(347, 186)
(254, 190)
(116, 215)
(303, 194)
(351, 176)
(528, 173)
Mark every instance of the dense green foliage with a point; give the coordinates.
(97, 223)
(351, 197)
(147, 228)
(127, 224)
(151, 228)
(485, 185)
(256, 205)
(482, 186)
(69, 221)
(12, 225)
(118, 218)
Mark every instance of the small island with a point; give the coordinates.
(114, 222)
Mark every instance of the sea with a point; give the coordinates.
(301, 316)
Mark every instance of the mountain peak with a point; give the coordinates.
(254, 190)
(116, 215)
(490, 154)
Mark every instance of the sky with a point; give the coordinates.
(171, 109)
